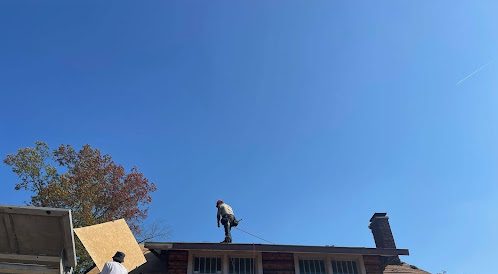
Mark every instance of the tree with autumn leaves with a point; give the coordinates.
(90, 183)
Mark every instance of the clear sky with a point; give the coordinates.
(306, 116)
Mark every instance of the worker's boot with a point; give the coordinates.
(227, 240)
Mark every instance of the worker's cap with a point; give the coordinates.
(219, 202)
(119, 257)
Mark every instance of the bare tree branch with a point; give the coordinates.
(156, 230)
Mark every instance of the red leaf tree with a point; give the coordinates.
(88, 182)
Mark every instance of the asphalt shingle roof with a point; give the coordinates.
(404, 268)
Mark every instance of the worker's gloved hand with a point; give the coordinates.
(218, 224)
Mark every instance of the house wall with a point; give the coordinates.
(373, 264)
(278, 263)
(177, 262)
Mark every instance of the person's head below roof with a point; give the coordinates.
(219, 202)
(118, 257)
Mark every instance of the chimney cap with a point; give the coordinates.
(378, 215)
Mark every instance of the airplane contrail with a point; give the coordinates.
(472, 74)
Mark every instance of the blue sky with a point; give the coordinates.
(306, 116)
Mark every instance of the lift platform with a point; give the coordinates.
(36, 240)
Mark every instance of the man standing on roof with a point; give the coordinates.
(116, 266)
(225, 214)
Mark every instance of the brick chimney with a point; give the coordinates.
(383, 236)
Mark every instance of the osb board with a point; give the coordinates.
(103, 240)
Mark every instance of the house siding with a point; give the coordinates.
(373, 264)
(177, 262)
(278, 263)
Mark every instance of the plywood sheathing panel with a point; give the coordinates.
(103, 240)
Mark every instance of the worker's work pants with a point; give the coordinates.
(227, 221)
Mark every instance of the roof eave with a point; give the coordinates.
(277, 248)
